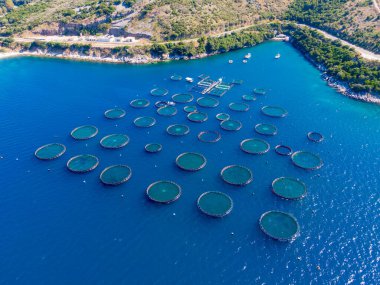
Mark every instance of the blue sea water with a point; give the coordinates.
(57, 227)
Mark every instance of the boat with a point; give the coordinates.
(230, 61)
(277, 56)
(248, 56)
(189, 79)
(245, 61)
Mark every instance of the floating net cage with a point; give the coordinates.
(178, 130)
(307, 160)
(237, 82)
(190, 109)
(140, 103)
(84, 132)
(315, 137)
(231, 125)
(114, 141)
(167, 111)
(266, 129)
(203, 76)
(50, 151)
(160, 104)
(236, 175)
(218, 91)
(207, 102)
(82, 163)
(274, 111)
(197, 117)
(209, 136)
(182, 98)
(176, 77)
(191, 161)
(279, 225)
(215, 204)
(144, 122)
(116, 175)
(283, 150)
(163, 191)
(114, 114)
(254, 146)
(222, 116)
(153, 147)
(238, 107)
(289, 188)
(259, 91)
(159, 92)
(248, 97)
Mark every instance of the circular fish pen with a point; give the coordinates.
(144, 122)
(207, 102)
(289, 188)
(114, 141)
(222, 116)
(153, 147)
(315, 137)
(238, 107)
(279, 225)
(115, 175)
(266, 129)
(182, 98)
(163, 191)
(82, 163)
(160, 104)
(84, 132)
(259, 91)
(236, 175)
(283, 150)
(231, 125)
(248, 97)
(274, 111)
(159, 92)
(191, 161)
(139, 103)
(197, 117)
(167, 111)
(50, 151)
(307, 160)
(209, 136)
(190, 109)
(254, 146)
(178, 130)
(215, 204)
(114, 114)
(176, 77)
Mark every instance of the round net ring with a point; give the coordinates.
(222, 116)
(209, 136)
(139, 103)
(178, 130)
(163, 191)
(144, 122)
(191, 161)
(116, 113)
(84, 132)
(289, 188)
(167, 111)
(231, 125)
(82, 163)
(283, 150)
(114, 141)
(238, 107)
(207, 102)
(176, 77)
(197, 117)
(236, 175)
(50, 151)
(306, 160)
(153, 147)
(279, 225)
(315, 137)
(160, 104)
(266, 129)
(254, 146)
(259, 91)
(215, 204)
(190, 109)
(182, 98)
(248, 97)
(115, 175)
(159, 92)
(274, 111)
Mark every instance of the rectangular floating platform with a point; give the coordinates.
(208, 86)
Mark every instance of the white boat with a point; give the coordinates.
(245, 61)
(189, 79)
(248, 55)
(277, 56)
(230, 61)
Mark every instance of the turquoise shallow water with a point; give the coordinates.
(59, 227)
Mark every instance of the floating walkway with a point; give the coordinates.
(209, 86)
